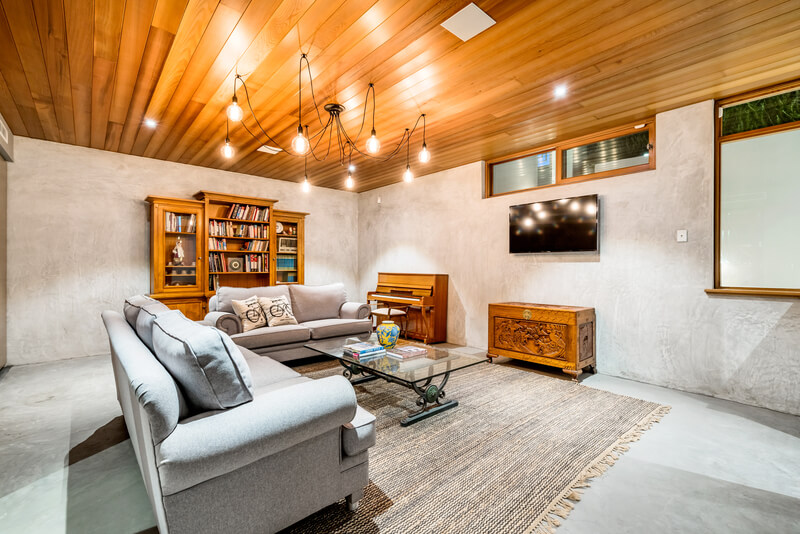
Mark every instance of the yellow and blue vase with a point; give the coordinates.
(388, 332)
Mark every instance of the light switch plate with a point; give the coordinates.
(682, 236)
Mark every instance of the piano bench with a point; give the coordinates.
(398, 315)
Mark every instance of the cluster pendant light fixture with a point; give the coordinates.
(305, 143)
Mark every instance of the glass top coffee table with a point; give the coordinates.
(418, 374)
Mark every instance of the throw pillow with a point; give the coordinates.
(278, 311)
(204, 361)
(250, 312)
(133, 305)
(144, 321)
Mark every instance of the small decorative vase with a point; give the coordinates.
(388, 332)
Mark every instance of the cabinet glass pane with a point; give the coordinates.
(180, 249)
(759, 219)
(523, 173)
(609, 154)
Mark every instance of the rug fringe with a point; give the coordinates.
(548, 521)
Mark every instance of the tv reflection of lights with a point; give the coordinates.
(562, 225)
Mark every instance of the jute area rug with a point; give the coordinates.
(512, 457)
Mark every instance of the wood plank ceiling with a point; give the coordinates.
(89, 73)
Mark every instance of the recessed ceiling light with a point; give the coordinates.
(468, 22)
(268, 149)
(351, 168)
(560, 91)
(150, 123)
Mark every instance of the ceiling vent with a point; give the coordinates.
(268, 149)
(468, 22)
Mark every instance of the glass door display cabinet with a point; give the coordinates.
(176, 251)
(289, 230)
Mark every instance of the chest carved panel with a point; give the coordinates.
(548, 340)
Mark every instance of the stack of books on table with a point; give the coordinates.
(363, 351)
(407, 352)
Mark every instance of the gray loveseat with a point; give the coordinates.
(299, 445)
(321, 312)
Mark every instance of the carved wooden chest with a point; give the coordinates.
(559, 336)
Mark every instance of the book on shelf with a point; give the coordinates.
(231, 229)
(246, 212)
(180, 223)
(407, 352)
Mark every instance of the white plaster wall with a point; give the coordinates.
(78, 238)
(654, 321)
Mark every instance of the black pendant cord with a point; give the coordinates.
(334, 121)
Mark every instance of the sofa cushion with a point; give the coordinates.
(317, 302)
(250, 313)
(325, 328)
(132, 306)
(226, 295)
(278, 311)
(204, 361)
(269, 336)
(359, 434)
(269, 375)
(144, 321)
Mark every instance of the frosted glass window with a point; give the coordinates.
(524, 173)
(609, 154)
(760, 212)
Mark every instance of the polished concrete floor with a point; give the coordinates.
(711, 466)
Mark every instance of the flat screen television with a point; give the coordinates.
(563, 225)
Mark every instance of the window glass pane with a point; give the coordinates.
(524, 173)
(608, 154)
(759, 219)
(770, 111)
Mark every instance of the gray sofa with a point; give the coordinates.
(321, 312)
(299, 445)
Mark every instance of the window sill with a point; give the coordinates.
(755, 292)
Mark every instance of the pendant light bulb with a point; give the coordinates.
(424, 155)
(227, 149)
(235, 112)
(349, 183)
(300, 142)
(306, 186)
(373, 144)
(408, 176)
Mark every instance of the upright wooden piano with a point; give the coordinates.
(425, 296)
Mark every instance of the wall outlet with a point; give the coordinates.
(682, 236)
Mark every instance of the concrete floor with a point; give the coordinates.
(710, 466)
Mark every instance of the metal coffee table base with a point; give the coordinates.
(430, 397)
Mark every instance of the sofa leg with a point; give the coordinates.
(354, 500)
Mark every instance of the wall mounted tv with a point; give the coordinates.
(563, 225)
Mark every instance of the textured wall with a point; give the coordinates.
(78, 240)
(3, 262)
(655, 323)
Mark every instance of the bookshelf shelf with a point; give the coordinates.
(245, 221)
(234, 237)
(238, 272)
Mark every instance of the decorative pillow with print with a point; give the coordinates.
(250, 312)
(278, 311)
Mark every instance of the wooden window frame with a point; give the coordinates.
(719, 105)
(560, 149)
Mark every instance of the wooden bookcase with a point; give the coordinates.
(239, 240)
(289, 237)
(177, 282)
(232, 241)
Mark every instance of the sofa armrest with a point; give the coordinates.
(224, 441)
(227, 322)
(354, 310)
